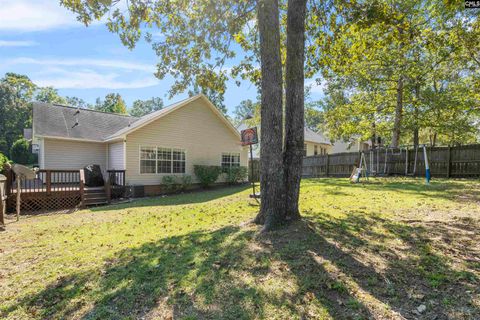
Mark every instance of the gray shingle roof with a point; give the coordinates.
(315, 137)
(59, 121)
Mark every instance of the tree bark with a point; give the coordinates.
(294, 109)
(398, 114)
(272, 208)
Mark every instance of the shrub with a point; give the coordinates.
(20, 152)
(3, 161)
(207, 175)
(236, 174)
(170, 183)
(185, 182)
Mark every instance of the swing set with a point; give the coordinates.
(379, 163)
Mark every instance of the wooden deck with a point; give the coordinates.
(60, 189)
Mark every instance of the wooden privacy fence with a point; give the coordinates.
(448, 162)
(455, 162)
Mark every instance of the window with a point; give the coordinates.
(178, 161)
(230, 160)
(315, 152)
(148, 160)
(305, 150)
(162, 160)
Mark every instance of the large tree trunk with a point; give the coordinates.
(398, 114)
(294, 109)
(272, 209)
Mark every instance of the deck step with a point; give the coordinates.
(89, 204)
(95, 197)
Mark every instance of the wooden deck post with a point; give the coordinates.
(82, 188)
(48, 176)
(3, 201)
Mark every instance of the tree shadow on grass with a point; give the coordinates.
(220, 274)
(409, 263)
(357, 267)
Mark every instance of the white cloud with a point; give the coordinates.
(77, 62)
(17, 43)
(34, 15)
(89, 79)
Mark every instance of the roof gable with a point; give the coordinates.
(149, 118)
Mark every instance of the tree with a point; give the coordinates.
(16, 93)
(113, 103)
(143, 107)
(20, 152)
(380, 59)
(49, 95)
(245, 110)
(77, 102)
(294, 109)
(272, 184)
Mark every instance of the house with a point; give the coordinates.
(353, 145)
(166, 142)
(314, 143)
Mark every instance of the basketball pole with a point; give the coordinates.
(251, 170)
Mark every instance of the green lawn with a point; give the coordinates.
(382, 250)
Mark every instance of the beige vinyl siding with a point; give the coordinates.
(116, 156)
(65, 154)
(311, 148)
(194, 128)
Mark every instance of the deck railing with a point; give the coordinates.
(115, 184)
(48, 181)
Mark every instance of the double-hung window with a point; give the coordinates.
(162, 160)
(230, 160)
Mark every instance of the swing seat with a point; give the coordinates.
(255, 195)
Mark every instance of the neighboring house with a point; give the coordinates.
(354, 145)
(166, 142)
(314, 143)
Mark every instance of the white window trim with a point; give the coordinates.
(230, 154)
(156, 160)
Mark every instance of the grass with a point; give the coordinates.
(368, 251)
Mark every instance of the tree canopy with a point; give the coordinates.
(112, 103)
(142, 107)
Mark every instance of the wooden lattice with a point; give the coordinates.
(35, 204)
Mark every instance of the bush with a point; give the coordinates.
(3, 161)
(207, 175)
(170, 183)
(236, 174)
(185, 182)
(20, 152)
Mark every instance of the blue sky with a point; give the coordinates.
(42, 40)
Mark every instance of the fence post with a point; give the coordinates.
(327, 165)
(48, 174)
(449, 164)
